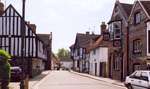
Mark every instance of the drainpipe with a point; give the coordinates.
(127, 42)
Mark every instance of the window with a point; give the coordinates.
(144, 76)
(78, 52)
(137, 45)
(81, 52)
(111, 31)
(137, 75)
(117, 31)
(94, 51)
(116, 62)
(137, 18)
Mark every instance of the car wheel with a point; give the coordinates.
(129, 87)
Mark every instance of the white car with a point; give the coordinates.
(140, 79)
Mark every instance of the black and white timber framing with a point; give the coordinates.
(10, 36)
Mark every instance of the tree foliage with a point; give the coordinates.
(63, 53)
(4, 69)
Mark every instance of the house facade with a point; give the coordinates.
(79, 50)
(139, 35)
(55, 62)
(99, 53)
(98, 61)
(118, 29)
(32, 55)
(66, 63)
(125, 46)
(47, 39)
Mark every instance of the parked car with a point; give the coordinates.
(140, 79)
(16, 74)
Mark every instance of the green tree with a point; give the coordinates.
(4, 69)
(63, 53)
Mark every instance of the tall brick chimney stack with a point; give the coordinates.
(33, 27)
(105, 32)
(103, 28)
(1, 8)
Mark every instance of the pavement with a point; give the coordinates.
(32, 81)
(108, 80)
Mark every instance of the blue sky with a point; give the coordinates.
(64, 18)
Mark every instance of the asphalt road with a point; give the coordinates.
(67, 80)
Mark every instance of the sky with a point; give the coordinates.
(65, 18)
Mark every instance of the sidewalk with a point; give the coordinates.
(115, 82)
(32, 82)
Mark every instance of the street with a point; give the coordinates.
(67, 80)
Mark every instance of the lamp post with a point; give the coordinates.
(23, 9)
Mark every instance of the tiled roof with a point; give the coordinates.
(44, 38)
(95, 44)
(127, 8)
(85, 39)
(146, 5)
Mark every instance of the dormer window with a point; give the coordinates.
(137, 18)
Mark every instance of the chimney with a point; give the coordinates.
(93, 33)
(33, 27)
(103, 28)
(105, 32)
(1, 8)
(87, 33)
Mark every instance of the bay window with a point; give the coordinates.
(115, 30)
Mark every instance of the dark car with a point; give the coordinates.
(16, 74)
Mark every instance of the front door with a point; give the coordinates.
(95, 68)
(101, 69)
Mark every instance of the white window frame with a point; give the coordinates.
(148, 29)
(118, 23)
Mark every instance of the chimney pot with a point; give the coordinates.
(87, 33)
(103, 27)
(33, 27)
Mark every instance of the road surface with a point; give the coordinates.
(67, 80)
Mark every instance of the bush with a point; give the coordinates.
(4, 69)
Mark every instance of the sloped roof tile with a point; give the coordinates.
(44, 38)
(85, 39)
(127, 8)
(146, 5)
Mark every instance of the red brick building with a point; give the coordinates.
(139, 35)
(118, 28)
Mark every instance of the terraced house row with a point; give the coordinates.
(122, 47)
(37, 47)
